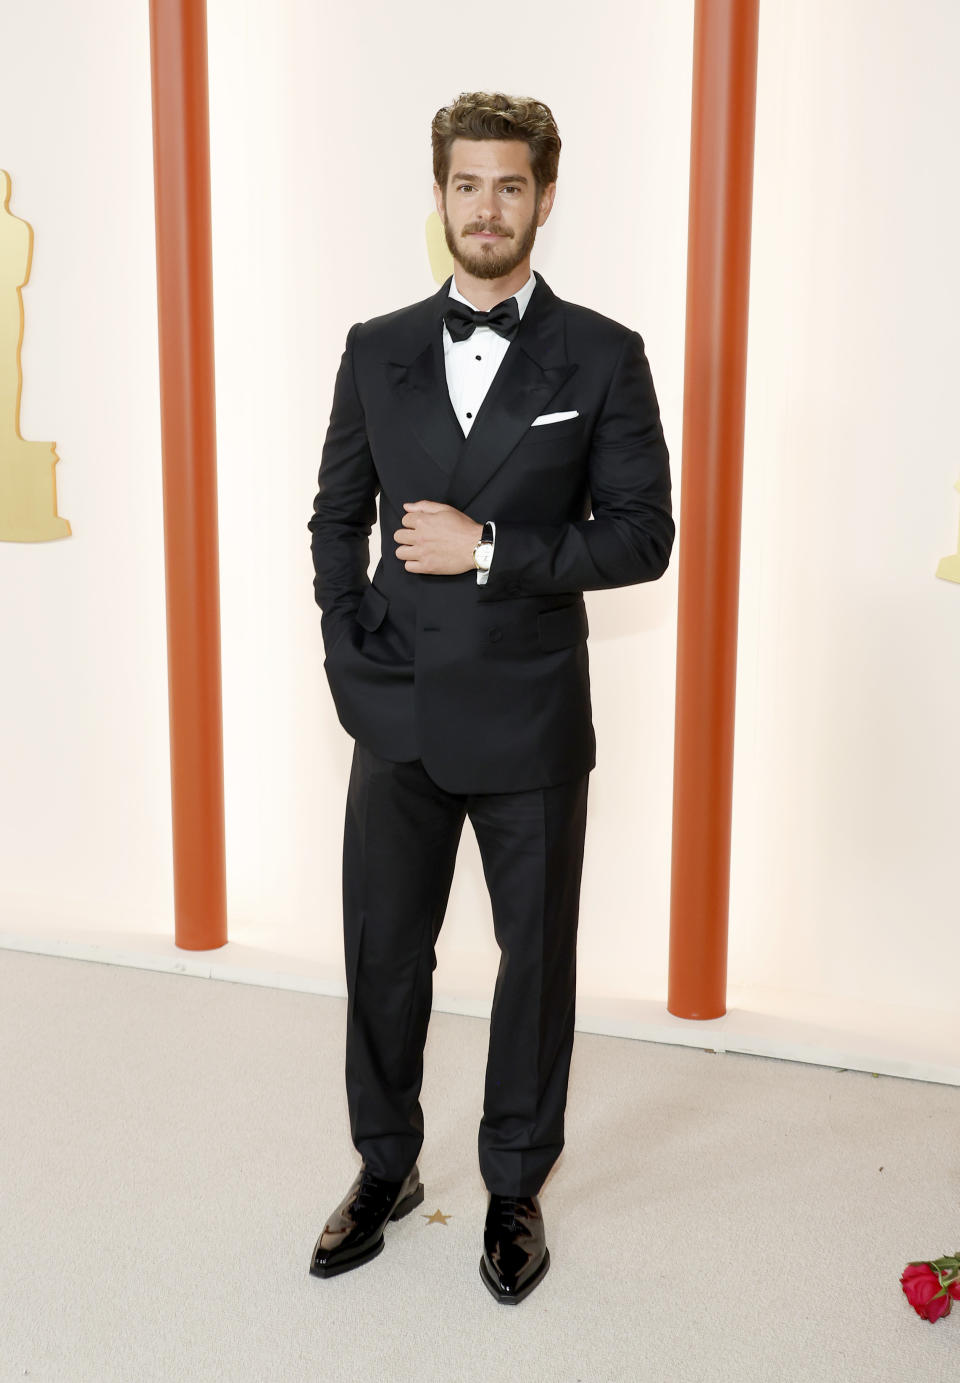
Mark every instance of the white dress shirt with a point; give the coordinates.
(471, 365)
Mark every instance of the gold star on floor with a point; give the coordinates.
(437, 1218)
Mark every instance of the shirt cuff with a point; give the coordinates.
(482, 575)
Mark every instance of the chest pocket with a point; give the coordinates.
(553, 432)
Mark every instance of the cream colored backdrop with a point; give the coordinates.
(845, 879)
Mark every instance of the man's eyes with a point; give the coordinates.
(510, 187)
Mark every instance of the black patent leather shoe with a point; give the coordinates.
(515, 1254)
(354, 1232)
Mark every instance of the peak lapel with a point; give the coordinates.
(532, 370)
(417, 375)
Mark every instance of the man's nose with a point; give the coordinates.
(488, 210)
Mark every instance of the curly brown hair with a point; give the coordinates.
(492, 115)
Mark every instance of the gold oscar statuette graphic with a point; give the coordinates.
(28, 485)
(949, 567)
(441, 260)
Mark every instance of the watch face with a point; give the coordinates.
(484, 556)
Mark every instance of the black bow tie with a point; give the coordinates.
(461, 318)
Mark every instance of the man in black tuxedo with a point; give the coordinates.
(492, 419)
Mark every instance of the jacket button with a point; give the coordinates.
(495, 634)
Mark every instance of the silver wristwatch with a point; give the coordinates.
(483, 552)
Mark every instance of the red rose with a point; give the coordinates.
(921, 1285)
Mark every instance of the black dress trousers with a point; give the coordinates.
(401, 834)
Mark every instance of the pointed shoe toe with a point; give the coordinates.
(515, 1254)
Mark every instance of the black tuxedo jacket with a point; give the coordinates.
(487, 684)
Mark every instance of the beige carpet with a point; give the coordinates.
(170, 1148)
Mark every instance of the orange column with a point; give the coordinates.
(181, 165)
(718, 281)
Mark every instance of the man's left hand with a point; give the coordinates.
(436, 539)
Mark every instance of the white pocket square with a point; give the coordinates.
(555, 417)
